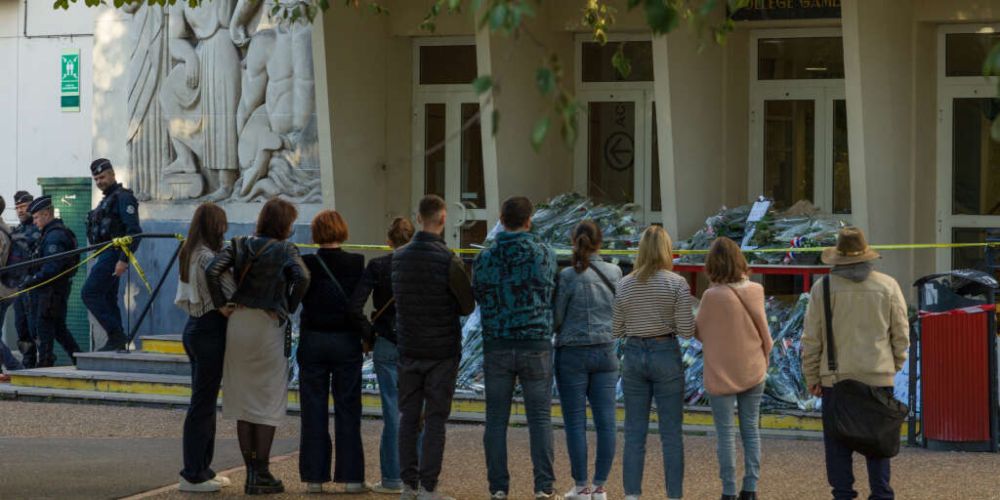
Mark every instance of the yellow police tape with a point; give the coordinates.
(122, 243)
(125, 242)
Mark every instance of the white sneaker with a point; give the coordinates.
(381, 488)
(579, 493)
(408, 493)
(314, 487)
(210, 486)
(356, 488)
(223, 480)
(599, 493)
(498, 495)
(431, 495)
(541, 495)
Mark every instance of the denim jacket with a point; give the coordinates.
(583, 305)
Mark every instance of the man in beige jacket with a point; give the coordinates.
(871, 334)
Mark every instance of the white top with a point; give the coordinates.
(193, 297)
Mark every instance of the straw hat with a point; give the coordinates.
(852, 248)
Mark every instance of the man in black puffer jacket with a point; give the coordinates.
(432, 291)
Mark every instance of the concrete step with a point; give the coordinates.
(134, 362)
(64, 382)
(162, 344)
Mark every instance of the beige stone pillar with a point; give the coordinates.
(878, 67)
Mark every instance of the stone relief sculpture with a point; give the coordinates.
(277, 105)
(148, 148)
(221, 102)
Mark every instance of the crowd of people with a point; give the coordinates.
(540, 326)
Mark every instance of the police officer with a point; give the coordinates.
(25, 238)
(117, 215)
(51, 299)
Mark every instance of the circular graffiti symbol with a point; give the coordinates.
(619, 151)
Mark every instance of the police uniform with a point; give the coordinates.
(116, 215)
(50, 300)
(25, 238)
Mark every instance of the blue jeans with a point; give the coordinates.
(588, 373)
(840, 467)
(748, 403)
(100, 293)
(7, 358)
(652, 369)
(205, 344)
(385, 357)
(533, 368)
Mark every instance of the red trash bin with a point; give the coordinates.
(955, 373)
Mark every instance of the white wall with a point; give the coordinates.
(37, 138)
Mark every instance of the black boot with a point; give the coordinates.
(748, 495)
(729, 497)
(263, 483)
(116, 341)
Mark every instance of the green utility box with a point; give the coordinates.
(71, 198)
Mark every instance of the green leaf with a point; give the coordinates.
(991, 65)
(661, 17)
(454, 4)
(482, 84)
(545, 78)
(621, 63)
(540, 131)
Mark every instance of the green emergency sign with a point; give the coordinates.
(69, 71)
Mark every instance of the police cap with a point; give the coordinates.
(100, 165)
(22, 197)
(40, 203)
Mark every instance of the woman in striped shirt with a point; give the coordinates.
(653, 307)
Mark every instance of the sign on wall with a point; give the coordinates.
(762, 10)
(69, 81)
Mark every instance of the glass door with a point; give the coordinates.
(615, 150)
(799, 148)
(447, 132)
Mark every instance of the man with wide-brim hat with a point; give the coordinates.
(852, 248)
(871, 335)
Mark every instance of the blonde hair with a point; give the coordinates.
(656, 253)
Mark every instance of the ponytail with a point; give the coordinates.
(586, 243)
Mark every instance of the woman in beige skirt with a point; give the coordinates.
(270, 282)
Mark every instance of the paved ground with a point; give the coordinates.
(45, 447)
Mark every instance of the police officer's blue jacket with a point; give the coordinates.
(56, 238)
(116, 215)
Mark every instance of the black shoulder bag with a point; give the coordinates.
(865, 418)
(605, 279)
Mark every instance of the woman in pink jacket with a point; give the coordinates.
(732, 326)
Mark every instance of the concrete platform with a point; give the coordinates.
(162, 344)
(134, 362)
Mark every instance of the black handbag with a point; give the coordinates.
(865, 418)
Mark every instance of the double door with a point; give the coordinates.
(448, 137)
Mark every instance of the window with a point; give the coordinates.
(800, 58)
(965, 52)
(447, 64)
(975, 157)
(598, 67)
(611, 141)
(789, 151)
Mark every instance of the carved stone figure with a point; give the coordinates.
(148, 147)
(200, 95)
(276, 109)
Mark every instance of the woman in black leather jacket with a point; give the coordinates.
(271, 280)
(330, 357)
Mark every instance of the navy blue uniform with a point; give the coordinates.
(50, 301)
(117, 215)
(25, 239)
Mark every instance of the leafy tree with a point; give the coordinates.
(508, 17)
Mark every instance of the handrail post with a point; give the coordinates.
(152, 297)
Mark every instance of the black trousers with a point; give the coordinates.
(426, 387)
(205, 344)
(50, 322)
(27, 338)
(330, 362)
